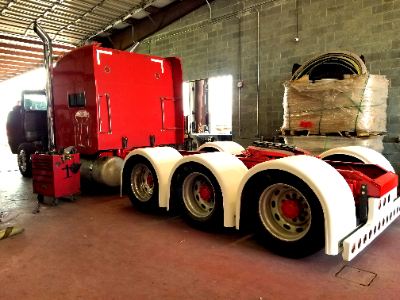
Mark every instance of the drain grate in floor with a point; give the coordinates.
(356, 275)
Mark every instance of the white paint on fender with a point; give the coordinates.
(162, 159)
(366, 155)
(329, 186)
(228, 170)
(224, 146)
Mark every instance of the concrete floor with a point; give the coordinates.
(100, 247)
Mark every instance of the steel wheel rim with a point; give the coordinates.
(22, 160)
(142, 182)
(273, 218)
(196, 205)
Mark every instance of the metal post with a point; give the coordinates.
(258, 72)
(209, 6)
(48, 64)
(240, 78)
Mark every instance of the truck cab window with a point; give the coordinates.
(35, 102)
(77, 100)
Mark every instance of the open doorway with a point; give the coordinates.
(11, 95)
(208, 109)
(220, 104)
(11, 91)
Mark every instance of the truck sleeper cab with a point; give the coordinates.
(107, 102)
(103, 95)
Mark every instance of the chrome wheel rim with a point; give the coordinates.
(288, 221)
(22, 160)
(142, 182)
(198, 195)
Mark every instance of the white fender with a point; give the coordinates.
(328, 185)
(228, 170)
(224, 146)
(366, 155)
(162, 159)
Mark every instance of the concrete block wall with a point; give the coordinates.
(226, 44)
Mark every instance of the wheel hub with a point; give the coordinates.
(150, 181)
(22, 160)
(205, 192)
(198, 195)
(142, 182)
(285, 212)
(291, 208)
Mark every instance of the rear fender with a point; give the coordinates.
(224, 146)
(366, 155)
(328, 185)
(228, 170)
(162, 159)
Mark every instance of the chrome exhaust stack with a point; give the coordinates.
(48, 65)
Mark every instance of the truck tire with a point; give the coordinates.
(199, 196)
(141, 183)
(288, 216)
(24, 162)
(14, 129)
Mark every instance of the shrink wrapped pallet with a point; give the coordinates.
(316, 144)
(355, 104)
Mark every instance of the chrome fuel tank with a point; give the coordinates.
(105, 170)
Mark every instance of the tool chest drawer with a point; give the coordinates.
(56, 175)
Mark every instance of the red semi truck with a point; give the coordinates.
(26, 128)
(123, 113)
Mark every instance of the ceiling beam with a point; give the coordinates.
(19, 63)
(10, 59)
(33, 42)
(16, 63)
(152, 9)
(132, 21)
(139, 7)
(11, 73)
(7, 75)
(26, 48)
(147, 27)
(14, 67)
(20, 54)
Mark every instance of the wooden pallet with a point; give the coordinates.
(338, 133)
(362, 134)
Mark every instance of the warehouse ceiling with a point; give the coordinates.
(117, 24)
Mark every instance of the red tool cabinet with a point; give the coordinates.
(56, 176)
